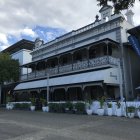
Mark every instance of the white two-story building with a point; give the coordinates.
(87, 63)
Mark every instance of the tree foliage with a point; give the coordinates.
(9, 68)
(118, 4)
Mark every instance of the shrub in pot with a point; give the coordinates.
(44, 103)
(88, 107)
(131, 111)
(32, 106)
(109, 109)
(9, 105)
(100, 110)
(118, 109)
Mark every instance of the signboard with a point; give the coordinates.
(135, 43)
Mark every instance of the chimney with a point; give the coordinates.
(129, 14)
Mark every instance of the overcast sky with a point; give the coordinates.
(46, 18)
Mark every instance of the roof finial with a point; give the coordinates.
(96, 18)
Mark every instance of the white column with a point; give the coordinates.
(47, 87)
(120, 80)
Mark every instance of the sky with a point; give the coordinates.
(46, 19)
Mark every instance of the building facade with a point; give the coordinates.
(87, 63)
(19, 51)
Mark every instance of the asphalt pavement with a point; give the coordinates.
(27, 125)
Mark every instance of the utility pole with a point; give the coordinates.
(47, 86)
(120, 80)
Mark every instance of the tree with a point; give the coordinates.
(118, 5)
(9, 68)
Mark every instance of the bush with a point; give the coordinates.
(118, 104)
(53, 107)
(80, 107)
(131, 109)
(17, 105)
(61, 107)
(25, 106)
(44, 102)
(32, 101)
(8, 99)
(68, 105)
(109, 105)
(102, 100)
(22, 106)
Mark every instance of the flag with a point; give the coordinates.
(135, 43)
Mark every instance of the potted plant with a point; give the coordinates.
(138, 111)
(32, 107)
(109, 109)
(9, 105)
(45, 107)
(100, 111)
(88, 107)
(118, 109)
(131, 111)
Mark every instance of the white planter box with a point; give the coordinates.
(32, 108)
(118, 112)
(9, 106)
(109, 111)
(138, 112)
(131, 115)
(89, 111)
(45, 109)
(100, 112)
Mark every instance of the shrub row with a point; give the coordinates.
(68, 107)
(23, 106)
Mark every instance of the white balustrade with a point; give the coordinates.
(31, 75)
(65, 68)
(23, 77)
(40, 73)
(100, 61)
(80, 65)
(53, 71)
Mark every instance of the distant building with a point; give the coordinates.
(87, 63)
(21, 52)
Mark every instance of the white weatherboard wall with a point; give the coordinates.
(23, 56)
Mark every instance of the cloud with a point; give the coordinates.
(20, 17)
(29, 32)
(2, 47)
(3, 38)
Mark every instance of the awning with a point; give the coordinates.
(107, 76)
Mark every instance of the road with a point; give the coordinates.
(27, 125)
